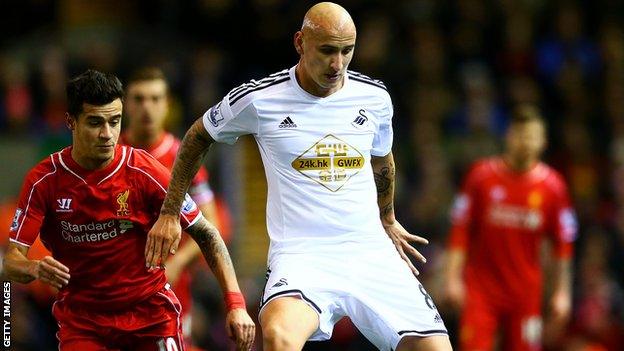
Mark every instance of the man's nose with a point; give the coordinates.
(337, 62)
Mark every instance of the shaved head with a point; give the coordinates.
(325, 45)
(327, 17)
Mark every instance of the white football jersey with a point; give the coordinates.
(316, 154)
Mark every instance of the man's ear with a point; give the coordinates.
(298, 40)
(70, 121)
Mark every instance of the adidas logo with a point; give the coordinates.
(287, 123)
(281, 282)
(437, 318)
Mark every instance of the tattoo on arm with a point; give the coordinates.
(212, 246)
(187, 163)
(382, 181)
(384, 172)
(385, 210)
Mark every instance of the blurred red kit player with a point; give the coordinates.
(506, 207)
(146, 107)
(93, 204)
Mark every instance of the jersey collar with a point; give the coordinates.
(308, 96)
(92, 176)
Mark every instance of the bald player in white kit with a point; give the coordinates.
(325, 137)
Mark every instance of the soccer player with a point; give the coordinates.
(92, 203)
(505, 209)
(146, 107)
(325, 137)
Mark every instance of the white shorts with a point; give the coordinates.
(375, 288)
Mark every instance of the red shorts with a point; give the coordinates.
(150, 325)
(519, 326)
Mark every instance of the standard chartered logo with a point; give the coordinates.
(330, 162)
(94, 231)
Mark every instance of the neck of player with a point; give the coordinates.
(308, 84)
(90, 163)
(520, 164)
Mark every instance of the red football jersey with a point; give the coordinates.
(165, 151)
(500, 219)
(96, 223)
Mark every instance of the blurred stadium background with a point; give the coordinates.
(454, 69)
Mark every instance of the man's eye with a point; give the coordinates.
(347, 51)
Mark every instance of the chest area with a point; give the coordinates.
(117, 198)
(298, 127)
(520, 207)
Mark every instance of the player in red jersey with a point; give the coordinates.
(92, 204)
(146, 107)
(505, 209)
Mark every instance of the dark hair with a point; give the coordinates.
(94, 88)
(526, 113)
(146, 73)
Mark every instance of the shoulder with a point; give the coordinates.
(553, 178)
(244, 94)
(140, 158)
(483, 167)
(368, 84)
(369, 88)
(146, 168)
(364, 80)
(43, 170)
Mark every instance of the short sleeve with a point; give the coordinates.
(564, 228)
(31, 207)
(225, 123)
(382, 142)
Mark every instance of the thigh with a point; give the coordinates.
(387, 303)
(478, 324)
(80, 330)
(523, 331)
(310, 283)
(292, 317)
(153, 325)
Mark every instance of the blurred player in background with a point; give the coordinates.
(325, 136)
(506, 207)
(146, 108)
(92, 204)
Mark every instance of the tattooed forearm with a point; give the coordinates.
(386, 210)
(189, 159)
(383, 181)
(215, 252)
(383, 170)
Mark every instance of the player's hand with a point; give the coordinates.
(51, 272)
(402, 239)
(162, 239)
(559, 311)
(240, 328)
(455, 293)
(560, 308)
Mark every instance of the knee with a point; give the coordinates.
(277, 338)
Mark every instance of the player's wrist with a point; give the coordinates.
(234, 300)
